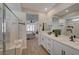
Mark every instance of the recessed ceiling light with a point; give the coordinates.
(66, 10)
(45, 9)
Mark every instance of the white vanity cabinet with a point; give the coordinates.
(39, 39)
(46, 42)
(56, 47)
(62, 49)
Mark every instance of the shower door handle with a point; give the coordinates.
(3, 27)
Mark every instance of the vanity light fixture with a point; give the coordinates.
(75, 19)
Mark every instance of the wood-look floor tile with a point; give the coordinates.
(33, 48)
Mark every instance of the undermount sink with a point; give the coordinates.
(76, 41)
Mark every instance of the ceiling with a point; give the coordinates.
(39, 7)
(71, 9)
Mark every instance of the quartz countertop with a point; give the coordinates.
(63, 39)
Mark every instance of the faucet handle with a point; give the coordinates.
(74, 36)
(71, 38)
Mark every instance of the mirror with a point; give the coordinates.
(73, 26)
(69, 18)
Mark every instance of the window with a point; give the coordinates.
(30, 27)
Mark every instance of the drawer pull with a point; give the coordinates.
(63, 52)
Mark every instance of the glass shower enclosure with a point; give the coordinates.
(8, 31)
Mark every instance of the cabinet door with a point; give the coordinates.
(43, 41)
(70, 51)
(61, 49)
(49, 42)
(57, 48)
(49, 45)
(67, 50)
(39, 39)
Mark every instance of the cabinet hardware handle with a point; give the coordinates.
(63, 52)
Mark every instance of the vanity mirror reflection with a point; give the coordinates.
(72, 27)
(69, 17)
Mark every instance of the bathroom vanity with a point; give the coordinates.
(60, 45)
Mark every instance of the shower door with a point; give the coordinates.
(11, 31)
(8, 31)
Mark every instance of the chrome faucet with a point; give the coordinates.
(72, 37)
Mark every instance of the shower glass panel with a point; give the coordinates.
(8, 31)
(11, 31)
(1, 29)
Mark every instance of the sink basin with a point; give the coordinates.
(76, 40)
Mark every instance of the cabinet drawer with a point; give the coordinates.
(49, 45)
(66, 49)
(44, 43)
